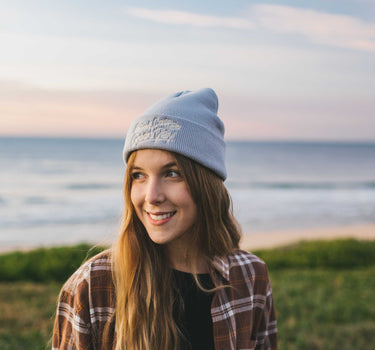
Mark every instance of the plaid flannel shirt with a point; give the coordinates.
(243, 315)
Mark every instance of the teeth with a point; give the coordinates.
(160, 217)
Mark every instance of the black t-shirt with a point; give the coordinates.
(195, 320)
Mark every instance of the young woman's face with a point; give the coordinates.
(161, 198)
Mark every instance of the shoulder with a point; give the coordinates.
(241, 257)
(96, 268)
(241, 264)
(100, 262)
(85, 301)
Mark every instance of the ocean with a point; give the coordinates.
(65, 191)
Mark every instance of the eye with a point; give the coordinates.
(173, 173)
(137, 175)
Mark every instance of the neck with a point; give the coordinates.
(181, 260)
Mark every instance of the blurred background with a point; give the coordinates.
(296, 87)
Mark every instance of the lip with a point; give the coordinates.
(161, 220)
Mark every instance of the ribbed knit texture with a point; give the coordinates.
(186, 123)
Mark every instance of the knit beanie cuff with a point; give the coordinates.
(185, 123)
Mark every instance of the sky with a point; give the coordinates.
(283, 70)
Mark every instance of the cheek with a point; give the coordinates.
(193, 211)
(188, 203)
(135, 196)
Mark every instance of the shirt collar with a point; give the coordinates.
(221, 265)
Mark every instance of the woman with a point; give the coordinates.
(175, 278)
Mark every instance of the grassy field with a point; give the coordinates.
(322, 303)
(26, 316)
(331, 310)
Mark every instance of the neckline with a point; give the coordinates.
(189, 273)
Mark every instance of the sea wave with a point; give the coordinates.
(91, 186)
(47, 220)
(36, 200)
(301, 185)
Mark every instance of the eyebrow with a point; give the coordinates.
(166, 166)
(170, 165)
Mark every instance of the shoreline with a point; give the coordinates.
(273, 239)
(257, 240)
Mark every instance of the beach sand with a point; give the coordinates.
(253, 241)
(271, 239)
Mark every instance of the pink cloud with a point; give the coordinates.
(326, 28)
(33, 111)
(188, 18)
(320, 27)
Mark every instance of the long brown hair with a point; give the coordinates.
(141, 272)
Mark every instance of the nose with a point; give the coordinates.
(154, 192)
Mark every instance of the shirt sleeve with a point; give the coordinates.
(266, 335)
(72, 328)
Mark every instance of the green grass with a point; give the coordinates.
(321, 303)
(27, 312)
(336, 254)
(44, 264)
(57, 264)
(331, 310)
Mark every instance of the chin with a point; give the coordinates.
(157, 239)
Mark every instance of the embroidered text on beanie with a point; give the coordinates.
(186, 123)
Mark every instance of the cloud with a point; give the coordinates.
(332, 118)
(189, 18)
(332, 29)
(29, 110)
(319, 27)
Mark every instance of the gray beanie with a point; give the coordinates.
(185, 122)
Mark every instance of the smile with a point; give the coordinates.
(159, 217)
